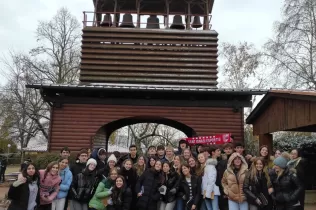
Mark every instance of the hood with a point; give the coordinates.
(211, 161)
(101, 149)
(244, 165)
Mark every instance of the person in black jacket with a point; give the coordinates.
(83, 186)
(298, 164)
(286, 185)
(189, 189)
(256, 185)
(121, 195)
(147, 188)
(130, 176)
(24, 193)
(171, 181)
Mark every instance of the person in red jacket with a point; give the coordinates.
(49, 185)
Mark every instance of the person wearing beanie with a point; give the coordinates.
(84, 185)
(286, 185)
(111, 163)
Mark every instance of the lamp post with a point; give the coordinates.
(9, 145)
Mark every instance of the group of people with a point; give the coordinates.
(209, 178)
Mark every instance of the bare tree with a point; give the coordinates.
(241, 63)
(292, 50)
(17, 102)
(57, 58)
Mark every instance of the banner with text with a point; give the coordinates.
(215, 139)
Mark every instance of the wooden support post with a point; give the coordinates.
(188, 19)
(167, 15)
(207, 12)
(138, 13)
(266, 139)
(115, 14)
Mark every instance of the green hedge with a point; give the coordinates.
(43, 160)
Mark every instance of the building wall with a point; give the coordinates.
(285, 114)
(75, 125)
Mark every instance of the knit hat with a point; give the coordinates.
(281, 162)
(112, 157)
(91, 160)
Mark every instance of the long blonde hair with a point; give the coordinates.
(254, 171)
(140, 169)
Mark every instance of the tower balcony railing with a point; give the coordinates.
(147, 20)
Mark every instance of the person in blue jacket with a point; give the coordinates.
(66, 179)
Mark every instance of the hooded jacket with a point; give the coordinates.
(66, 179)
(49, 187)
(233, 180)
(209, 179)
(102, 193)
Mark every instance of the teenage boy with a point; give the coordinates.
(132, 155)
(161, 153)
(65, 152)
(169, 154)
(151, 151)
(239, 148)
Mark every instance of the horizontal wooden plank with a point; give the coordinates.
(146, 80)
(147, 75)
(90, 67)
(148, 58)
(191, 48)
(148, 41)
(148, 53)
(154, 64)
(152, 36)
(149, 31)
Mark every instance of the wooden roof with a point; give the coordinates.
(154, 6)
(307, 95)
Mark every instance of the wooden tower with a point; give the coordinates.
(145, 61)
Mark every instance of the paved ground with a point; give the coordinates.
(4, 190)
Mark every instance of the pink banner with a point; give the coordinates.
(215, 139)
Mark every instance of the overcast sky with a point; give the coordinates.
(234, 20)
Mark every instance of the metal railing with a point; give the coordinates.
(95, 19)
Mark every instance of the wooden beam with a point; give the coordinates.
(266, 139)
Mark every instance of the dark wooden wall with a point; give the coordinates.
(74, 125)
(285, 114)
(144, 56)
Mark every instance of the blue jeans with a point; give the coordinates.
(179, 204)
(232, 205)
(209, 204)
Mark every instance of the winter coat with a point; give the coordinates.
(49, 187)
(77, 168)
(171, 181)
(99, 196)
(253, 188)
(84, 185)
(123, 201)
(163, 159)
(209, 179)
(287, 189)
(19, 196)
(220, 169)
(130, 177)
(66, 179)
(149, 183)
(184, 190)
(233, 180)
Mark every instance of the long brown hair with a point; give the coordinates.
(49, 168)
(140, 169)
(254, 171)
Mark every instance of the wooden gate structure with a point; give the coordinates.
(283, 110)
(164, 73)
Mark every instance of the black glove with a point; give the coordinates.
(173, 191)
